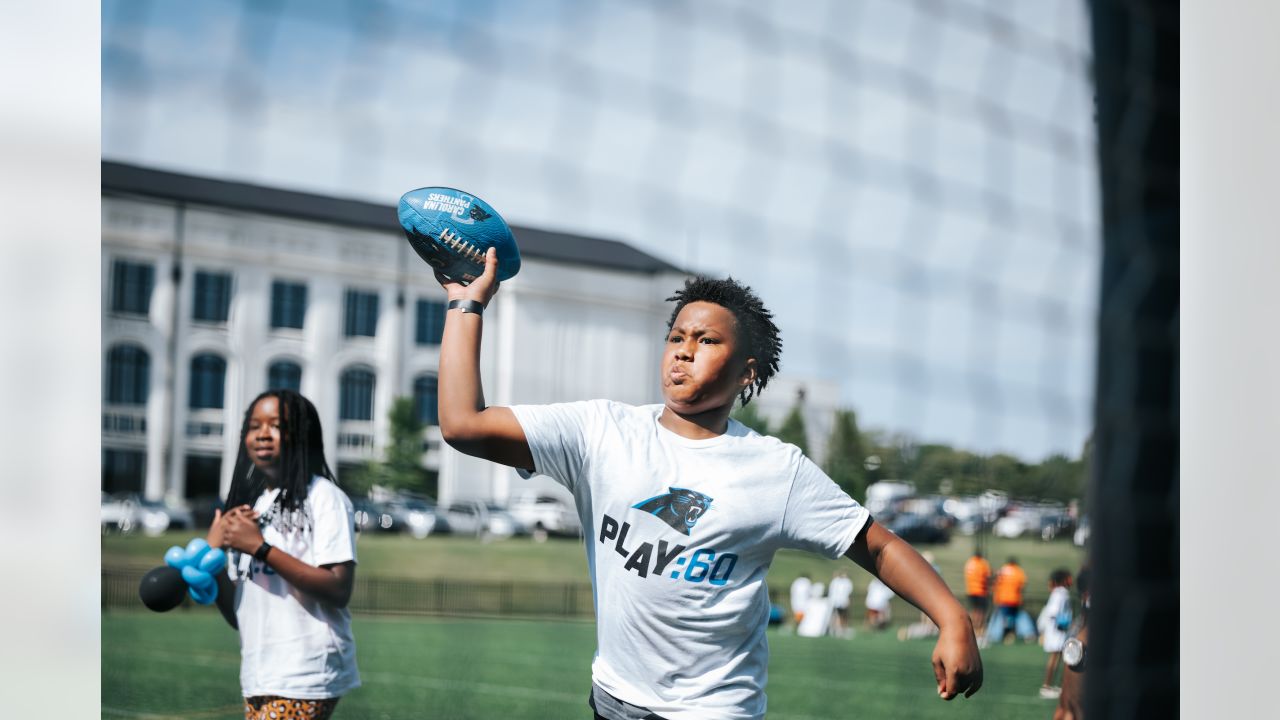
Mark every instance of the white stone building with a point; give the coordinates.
(214, 290)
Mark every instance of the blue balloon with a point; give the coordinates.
(198, 563)
(174, 557)
(213, 561)
(204, 596)
(196, 577)
(196, 550)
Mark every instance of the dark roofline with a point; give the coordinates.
(124, 179)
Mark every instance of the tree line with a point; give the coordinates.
(856, 458)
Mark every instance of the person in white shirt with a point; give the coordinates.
(1053, 622)
(878, 609)
(290, 533)
(840, 590)
(684, 508)
(800, 597)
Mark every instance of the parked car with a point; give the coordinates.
(1012, 525)
(372, 516)
(545, 513)
(128, 512)
(920, 527)
(472, 517)
(414, 515)
(1056, 524)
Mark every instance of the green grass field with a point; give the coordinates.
(185, 664)
(563, 560)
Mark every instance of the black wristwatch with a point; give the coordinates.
(466, 306)
(261, 552)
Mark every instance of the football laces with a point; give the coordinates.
(462, 247)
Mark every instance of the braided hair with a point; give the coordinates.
(758, 337)
(301, 459)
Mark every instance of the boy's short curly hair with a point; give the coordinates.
(758, 337)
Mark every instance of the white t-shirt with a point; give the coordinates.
(878, 596)
(679, 536)
(839, 591)
(800, 594)
(1054, 639)
(292, 644)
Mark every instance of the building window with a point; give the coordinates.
(204, 476)
(424, 399)
(123, 471)
(128, 375)
(213, 296)
(355, 396)
(284, 375)
(288, 304)
(430, 322)
(208, 373)
(362, 314)
(131, 285)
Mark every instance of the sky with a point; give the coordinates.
(911, 187)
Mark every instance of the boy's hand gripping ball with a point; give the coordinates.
(452, 230)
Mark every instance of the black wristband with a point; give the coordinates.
(261, 552)
(467, 306)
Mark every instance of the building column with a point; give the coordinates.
(160, 398)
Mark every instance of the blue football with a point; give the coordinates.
(452, 230)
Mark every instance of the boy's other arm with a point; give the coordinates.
(956, 663)
(466, 423)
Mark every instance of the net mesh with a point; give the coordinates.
(910, 185)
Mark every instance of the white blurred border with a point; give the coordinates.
(1230, 390)
(49, 368)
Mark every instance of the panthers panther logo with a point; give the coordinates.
(679, 508)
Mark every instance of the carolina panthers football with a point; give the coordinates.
(452, 230)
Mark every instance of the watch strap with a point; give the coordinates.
(467, 306)
(261, 552)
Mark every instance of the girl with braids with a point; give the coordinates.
(290, 534)
(684, 508)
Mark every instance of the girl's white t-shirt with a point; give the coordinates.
(292, 644)
(679, 535)
(1054, 638)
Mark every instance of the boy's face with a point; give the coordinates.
(701, 369)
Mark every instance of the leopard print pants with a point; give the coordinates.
(274, 707)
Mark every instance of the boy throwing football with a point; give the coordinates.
(684, 508)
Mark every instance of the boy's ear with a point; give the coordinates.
(748, 373)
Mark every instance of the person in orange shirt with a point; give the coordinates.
(1010, 580)
(977, 585)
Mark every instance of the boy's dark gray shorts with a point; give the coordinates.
(608, 707)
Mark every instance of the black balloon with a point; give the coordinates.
(162, 589)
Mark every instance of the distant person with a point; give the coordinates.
(817, 613)
(685, 508)
(977, 588)
(799, 597)
(1071, 700)
(1010, 582)
(1053, 622)
(878, 609)
(840, 590)
(290, 533)
(924, 627)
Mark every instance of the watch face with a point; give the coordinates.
(1073, 652)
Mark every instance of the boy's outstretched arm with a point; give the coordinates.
(956, 663)
(492, 433)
